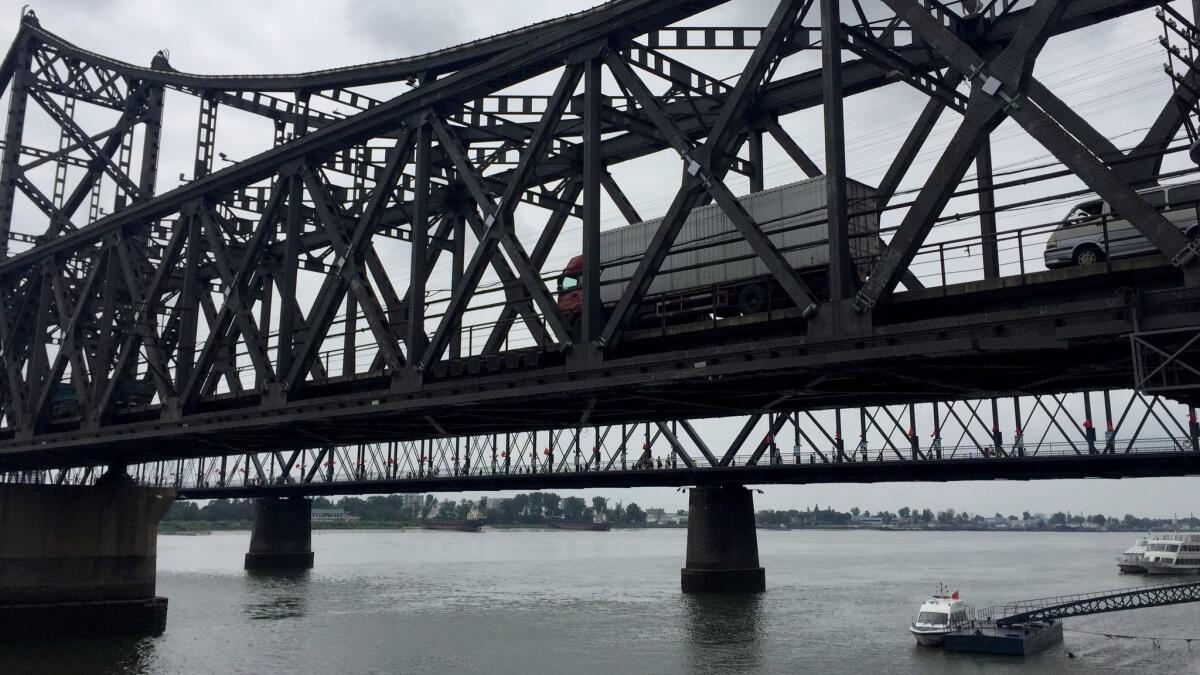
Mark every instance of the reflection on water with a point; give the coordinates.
(276, 594)
(114, 656)
(724, 632)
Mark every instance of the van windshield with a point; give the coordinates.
(567, 283)
(1085, 211)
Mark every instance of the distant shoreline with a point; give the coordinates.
(186, 526)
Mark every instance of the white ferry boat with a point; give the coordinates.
(1132, 561)
(1173, 554)
(939, 615)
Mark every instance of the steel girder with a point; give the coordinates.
(1061, 433)
(185, 305)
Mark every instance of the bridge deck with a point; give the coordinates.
(1070, 333)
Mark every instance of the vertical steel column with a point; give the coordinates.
(646, 452)
(593, 169)
(300, 126)
(841, 276)
(457, 265)
(997, 435)
(624, 449)
(93, 203)
(350, 336)
(124, 159)
(151, 141)
(862, 434)
(206, 136)
(987, 210)
(294, 230)
(189, 301)
(14, 128)
(937, 432)
(417, 274)
(577, 452)
(1089, 429)
(839, 448)
(1193, 428)
(1019, 433)
(796, 451)
(266, 295)
(912, 431)
(757, 179)
(37, 364)
(60, 169)
(1109, 429)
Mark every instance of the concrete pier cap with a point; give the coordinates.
(722, 544)
(282, 535)
(80, 560)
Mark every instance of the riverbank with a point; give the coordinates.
(171, 526)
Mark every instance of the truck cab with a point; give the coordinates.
(570, 295)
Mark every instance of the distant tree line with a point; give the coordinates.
(535, 507)
(951, 518)
(531, 508)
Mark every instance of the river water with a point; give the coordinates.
(533, 601)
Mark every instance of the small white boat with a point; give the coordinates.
(941, 614)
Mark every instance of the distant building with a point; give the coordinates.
(332, 516)
(1035, 521)
(867, 521)
(678, 518)
(411, 501)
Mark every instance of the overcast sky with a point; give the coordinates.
(1111, 73)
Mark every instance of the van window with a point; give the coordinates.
(1157, 198)
(1084, 213)
(1185, 195)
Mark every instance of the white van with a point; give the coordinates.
(1092, 233)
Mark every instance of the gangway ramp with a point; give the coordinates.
(1061, 607)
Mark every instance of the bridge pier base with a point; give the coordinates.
(282, 536)
(722, 547)
(80, 560)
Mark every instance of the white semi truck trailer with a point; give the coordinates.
(711, 269)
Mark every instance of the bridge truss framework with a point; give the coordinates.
(175, 325)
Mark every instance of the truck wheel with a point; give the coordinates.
(752, 298)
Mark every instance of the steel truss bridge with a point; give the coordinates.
(287, 301)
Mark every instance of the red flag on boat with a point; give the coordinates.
(954, 595)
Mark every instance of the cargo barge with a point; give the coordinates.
(469, 525)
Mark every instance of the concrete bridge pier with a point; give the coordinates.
(282, 536)
(722, 547)
(80, 560)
